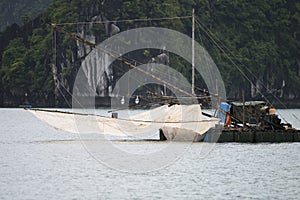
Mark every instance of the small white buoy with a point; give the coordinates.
(123, 100)
(137, 100)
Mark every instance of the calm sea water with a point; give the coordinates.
(39, 162)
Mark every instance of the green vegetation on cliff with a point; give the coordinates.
(263, 36)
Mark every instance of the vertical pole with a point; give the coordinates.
(54, 68)
(218, 102)
(193, 51)
(54, 46)
(243, 94)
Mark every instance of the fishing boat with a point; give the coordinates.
(172, 122)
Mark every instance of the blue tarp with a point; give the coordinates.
(224, 107)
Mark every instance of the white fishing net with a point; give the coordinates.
(175, 119)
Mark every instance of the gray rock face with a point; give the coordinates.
(98, 74)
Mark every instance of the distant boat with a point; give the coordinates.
(25, 106)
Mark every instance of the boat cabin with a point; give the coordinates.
(251, 114)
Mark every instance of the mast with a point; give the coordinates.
(193, 51)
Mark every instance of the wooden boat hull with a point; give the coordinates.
(259, 136)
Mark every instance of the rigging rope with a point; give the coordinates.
(126, 20)
(116, 56)
(208, 32)
(216, 41)
(132, 20)
(122, 119)
(124, 57)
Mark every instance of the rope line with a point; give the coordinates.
(237, 67)
(123, 119)
(125, 20)
(265, 87)
(93, 45)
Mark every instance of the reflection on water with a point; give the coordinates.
(38, 162)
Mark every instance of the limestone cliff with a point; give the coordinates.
(98, 74)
